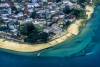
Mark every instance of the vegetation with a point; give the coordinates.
(37, 37)
(33, 15)
(96, 2)
(58, 1)
(79, 13)
(82, 1)
(27, 28)
(33, 34)
(66, 25)
(67, 10)
(1, 22)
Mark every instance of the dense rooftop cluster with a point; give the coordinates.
(37, 20)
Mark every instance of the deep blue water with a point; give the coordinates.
(57, 57)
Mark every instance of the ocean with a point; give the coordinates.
(83, 52)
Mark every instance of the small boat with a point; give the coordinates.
(89, 53)
(38, 54)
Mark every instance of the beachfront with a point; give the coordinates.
(72, 30)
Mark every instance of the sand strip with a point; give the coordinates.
(72, 30)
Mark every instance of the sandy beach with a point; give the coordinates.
(72, 30)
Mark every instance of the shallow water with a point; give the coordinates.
(59, 55)
(81, 42)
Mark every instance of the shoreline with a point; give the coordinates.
(72, 31)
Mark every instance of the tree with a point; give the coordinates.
(1, 22)
(79, 13)
(43, 36)
(67, 10)
(82, 1)
(27, 28)
(33, 15)
(58, 1)
(33, 34)
(96, 2)
(31, 38)
(37, 37)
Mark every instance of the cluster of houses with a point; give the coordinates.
(46, 14)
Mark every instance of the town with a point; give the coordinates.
(38, 21)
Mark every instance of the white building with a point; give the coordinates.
(5, 8)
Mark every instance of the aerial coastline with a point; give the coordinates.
(73, 30)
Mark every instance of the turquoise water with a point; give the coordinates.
(78, 43)
(84, 51)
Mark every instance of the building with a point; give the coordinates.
(5, 8)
